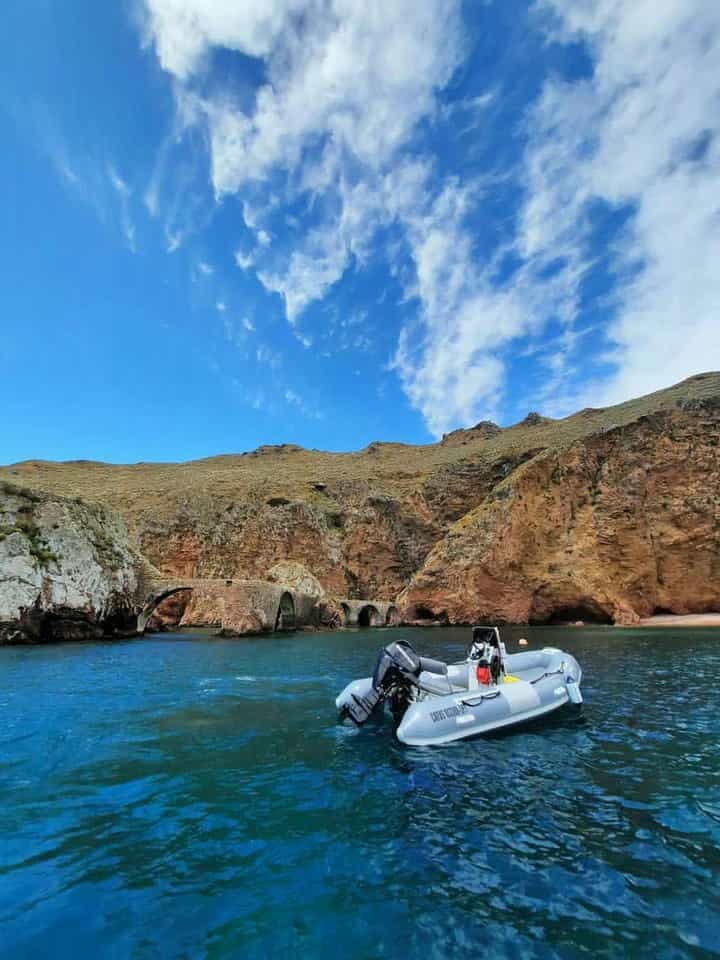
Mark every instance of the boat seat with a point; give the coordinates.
(441, 685)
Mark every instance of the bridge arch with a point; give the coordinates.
(285, 618)
(369, 616)
(156, 599)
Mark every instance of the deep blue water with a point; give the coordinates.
(179, 796)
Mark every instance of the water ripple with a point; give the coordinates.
(173, 798)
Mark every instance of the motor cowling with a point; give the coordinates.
(397, 665)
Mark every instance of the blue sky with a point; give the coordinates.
(329, 222)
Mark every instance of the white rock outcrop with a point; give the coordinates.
(67, 569)
(294, 575)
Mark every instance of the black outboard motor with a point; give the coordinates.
(396, 672)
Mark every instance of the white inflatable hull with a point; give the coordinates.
(537, 683)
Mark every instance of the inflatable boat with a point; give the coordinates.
(434, 702)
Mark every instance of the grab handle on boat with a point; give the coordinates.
(548, 673)
(476, 701)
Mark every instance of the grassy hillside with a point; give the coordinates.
(295, 473)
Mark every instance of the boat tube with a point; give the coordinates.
(433, 702)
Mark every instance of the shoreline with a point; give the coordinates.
(681, 620)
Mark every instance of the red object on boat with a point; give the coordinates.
(483, 675)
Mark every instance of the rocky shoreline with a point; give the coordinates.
(608, 516)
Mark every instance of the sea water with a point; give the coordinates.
(186, 796)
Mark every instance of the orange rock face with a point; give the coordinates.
(612, 529)
(369, 549)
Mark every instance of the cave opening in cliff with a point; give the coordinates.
(368, 616)
(285, 619)
(346, 613)
(583, 611)
(421, 612)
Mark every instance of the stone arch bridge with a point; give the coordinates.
(370, 613)
(259, 606)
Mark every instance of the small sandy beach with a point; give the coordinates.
(682, 620)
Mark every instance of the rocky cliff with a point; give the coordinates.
(618, 526)
(606, 515)
(67, 569)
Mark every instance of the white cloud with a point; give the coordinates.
(221, 306)
(117, 182)
(312, 270)
(347, 83)
(67, 172)
(173, 239)
(185, 30)
(205, 268)
(236, 333)
(643, 132)
(295, 400)
(266, 356)
(354, 75)
(151, 197)
(124, 192)
(358, 72)
(244, 261)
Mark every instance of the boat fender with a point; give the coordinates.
(574, 694)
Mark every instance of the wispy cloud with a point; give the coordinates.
(91, 179)
(355, 78)
(329, 146)
(244, 261)
(642, 134)
(124, 193)
(268, 357)
(293, 399)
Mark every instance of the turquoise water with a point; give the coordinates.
(180, 796)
